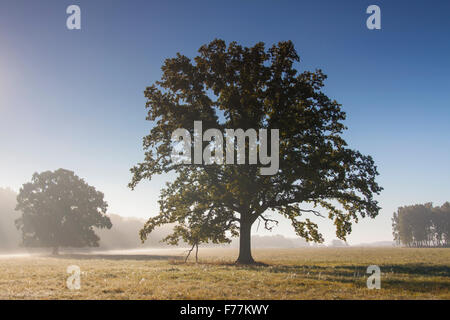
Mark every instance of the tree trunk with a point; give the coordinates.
(245, 249)
(55, 251)
(196, 253)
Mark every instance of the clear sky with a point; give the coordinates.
(74, 98)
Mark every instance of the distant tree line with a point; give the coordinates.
(422, 225)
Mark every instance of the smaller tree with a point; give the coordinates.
(60, 210)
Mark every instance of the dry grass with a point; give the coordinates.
(310, 273)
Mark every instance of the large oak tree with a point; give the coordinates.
(59, 209)
(231, 87)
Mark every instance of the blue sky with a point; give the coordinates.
(74, 99)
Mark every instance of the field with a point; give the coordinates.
(309, 273)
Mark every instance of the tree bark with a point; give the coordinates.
(245, 249)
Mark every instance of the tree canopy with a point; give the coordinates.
(59, 209)
(236, 87)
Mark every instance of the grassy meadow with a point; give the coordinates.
(307, 273)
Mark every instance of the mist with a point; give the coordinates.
(124, 234)
(9, 235)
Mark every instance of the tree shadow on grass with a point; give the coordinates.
(406, 277)
(221, 263)
(418, 269)
(419, 278)
(410, 269)
(116, 257)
